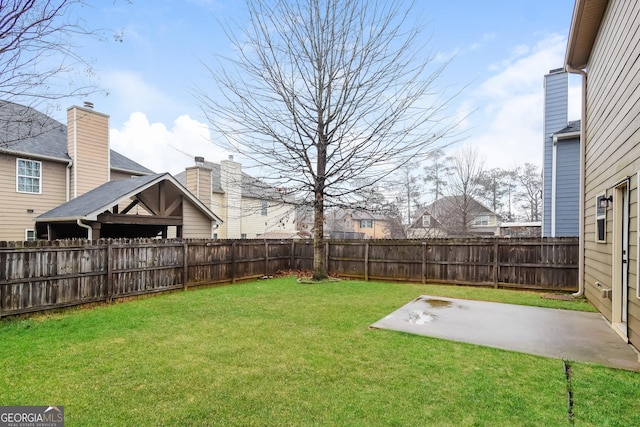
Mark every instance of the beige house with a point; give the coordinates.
(248, 207)
(603, 46)
(361, 224)
(452, 216)
(46, 167)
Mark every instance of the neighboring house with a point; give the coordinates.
(604, 46)
(426, 226)
(44, 163)
(561, 171)
(248, 207)
(452, 216)
(361, 224)
(370, 225)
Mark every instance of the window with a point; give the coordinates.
(28, 176)
(601, 218)
(426, 221)
(366, 223)
(481, 220)
(243, 236)
(265, 205)
(215, 235)
(29, 234)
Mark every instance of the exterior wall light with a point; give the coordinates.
(604, 202)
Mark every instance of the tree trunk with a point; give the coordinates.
(319, 265)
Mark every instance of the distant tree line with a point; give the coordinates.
(513, 194)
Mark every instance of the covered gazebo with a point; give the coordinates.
(145, 206)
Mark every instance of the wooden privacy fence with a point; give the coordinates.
(42, 275)
(528, 263)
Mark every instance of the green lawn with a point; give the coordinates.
(275, 352)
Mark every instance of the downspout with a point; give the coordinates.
(68, 180)
(88, 227)
(581, 200)
(553, 185)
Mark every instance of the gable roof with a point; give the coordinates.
(475, 207)
(28, 132)
(91, 204)
(441, 209)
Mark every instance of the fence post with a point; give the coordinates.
(266, 257)
(293, 255)
(424, 263)
(3, 269)
(495, 263)
(326, 256)
(109, 293)
(233, 262)
(185, 266)
(366, 262)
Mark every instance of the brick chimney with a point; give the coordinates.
(88, 147)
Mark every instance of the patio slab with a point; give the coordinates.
(563, 334)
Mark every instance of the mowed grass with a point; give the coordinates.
(276, 352)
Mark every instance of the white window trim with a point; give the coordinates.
(601, 217)
(26, 234)
(18, 180)
(426, 221)
(477, 222)
(367, 221)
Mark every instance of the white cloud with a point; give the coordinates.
(507, 126)
(161, 149)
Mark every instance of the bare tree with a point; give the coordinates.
(391, 213)
(511, 186)
(38, 62)
(494, 187)
(404, 186)
(329, 97)
(437, 172)
(457, 210)
(530, 194)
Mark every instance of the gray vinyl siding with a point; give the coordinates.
(567, 207)
(613, 148)
(555, 118)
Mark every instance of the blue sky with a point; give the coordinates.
(501, 49)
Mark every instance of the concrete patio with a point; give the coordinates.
(563, 334)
